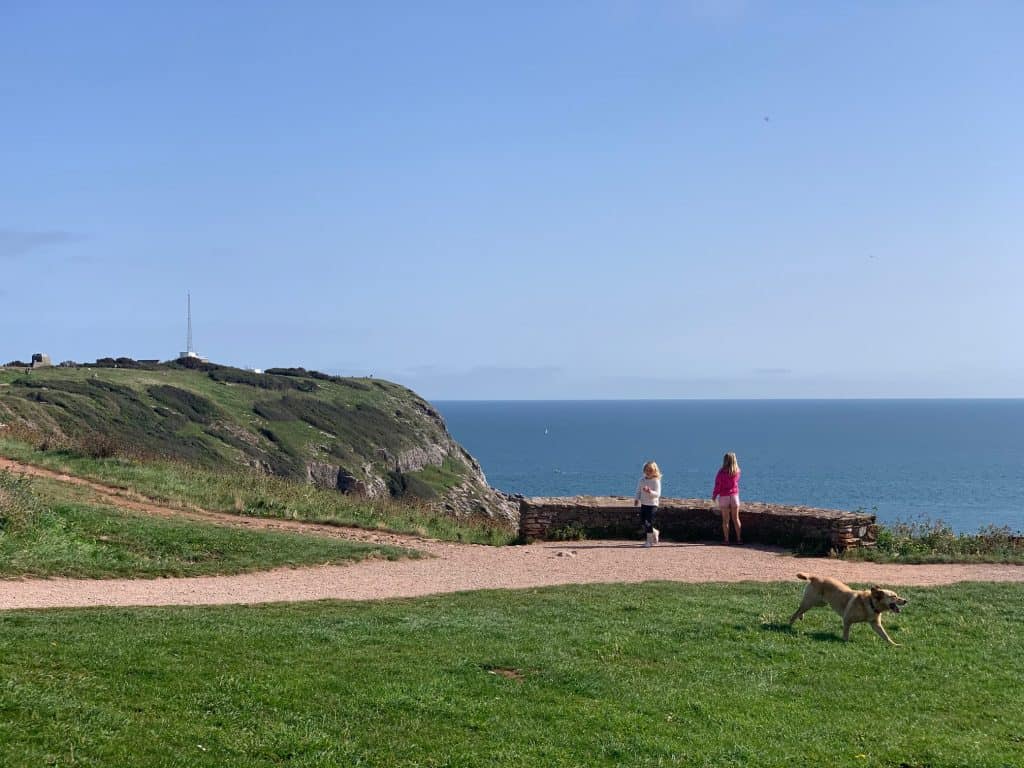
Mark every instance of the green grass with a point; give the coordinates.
(646, 675)
(252, 493)
(50, 529)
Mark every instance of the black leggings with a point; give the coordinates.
(647, 515)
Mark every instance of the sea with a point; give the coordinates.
(958, 461)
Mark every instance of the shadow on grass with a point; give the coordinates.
(775, 626)
(787, 629)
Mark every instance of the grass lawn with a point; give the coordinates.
(252, 493)
(51, 529)
(651, 675)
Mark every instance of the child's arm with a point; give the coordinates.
(655, 487)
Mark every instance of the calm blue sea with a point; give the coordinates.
(958, 460)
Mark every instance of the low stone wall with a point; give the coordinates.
(805, 528)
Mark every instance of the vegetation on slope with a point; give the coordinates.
(52, 529)
(363, 436)
(249, 492)
(934, 541)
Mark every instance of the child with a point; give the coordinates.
(648, 494)
(727, 491)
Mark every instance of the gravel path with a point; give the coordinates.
(455, 568)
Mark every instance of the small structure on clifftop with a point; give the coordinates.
(41, 360)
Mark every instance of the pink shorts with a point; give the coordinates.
(725, 503)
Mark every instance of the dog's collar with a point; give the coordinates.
(875, 608)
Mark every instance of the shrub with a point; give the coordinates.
(273, 410)
(124, 362)
(403, 486)
(260, 380)
(31, 435)
(302, 373)
(194, 407)
(927, 540)
(18, 505)
(99, 445)
(573, 531)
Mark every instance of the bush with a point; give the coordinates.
(125, 362)
(30, 435)
(302, 373)
(194, 407)
(98, 445)
(925, 540)
(261, 380)
(273, 410)
(18, 505)
(403, 486)
(573, 531)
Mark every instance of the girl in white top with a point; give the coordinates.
(648, 494)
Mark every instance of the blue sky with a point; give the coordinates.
(523, 200)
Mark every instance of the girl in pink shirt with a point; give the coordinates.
(727, 492)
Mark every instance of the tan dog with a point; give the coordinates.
(853, 605)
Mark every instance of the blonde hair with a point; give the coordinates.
(730, 464)
(651, 469)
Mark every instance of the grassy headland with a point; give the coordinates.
(365, 436)
(645, 675)
(51, 529)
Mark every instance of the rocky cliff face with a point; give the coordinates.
(465, 491)
(363, 437)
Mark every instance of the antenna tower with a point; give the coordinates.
(189, 352)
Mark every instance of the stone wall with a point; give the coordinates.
(805, 528)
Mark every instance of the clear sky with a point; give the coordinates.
(523, 199)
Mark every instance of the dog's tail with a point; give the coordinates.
(803, 576)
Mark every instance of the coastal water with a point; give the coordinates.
(961, 461)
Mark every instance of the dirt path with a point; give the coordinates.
(455, 568)
(123, 499)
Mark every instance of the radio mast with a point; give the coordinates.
(190, 351)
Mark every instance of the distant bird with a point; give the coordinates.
(767, 119)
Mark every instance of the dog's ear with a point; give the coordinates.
(876, 590)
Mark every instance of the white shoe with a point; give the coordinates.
(657, 535)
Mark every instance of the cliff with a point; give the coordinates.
(356, 435)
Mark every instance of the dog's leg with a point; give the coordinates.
(846, 618)
(880, 631)
(807, 602)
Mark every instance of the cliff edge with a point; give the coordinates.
(359, 436)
